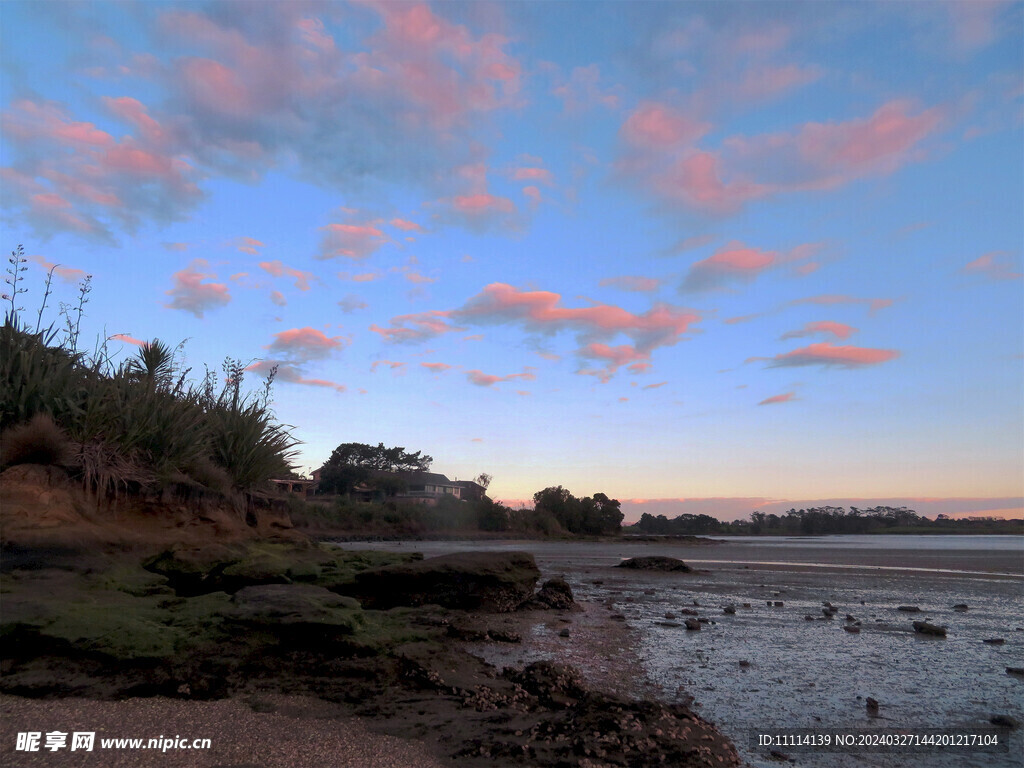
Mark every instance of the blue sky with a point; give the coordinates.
(696, 256)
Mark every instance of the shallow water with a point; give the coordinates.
(814, 674)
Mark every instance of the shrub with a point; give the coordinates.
(39, 441)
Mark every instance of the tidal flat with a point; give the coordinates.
(783, 660)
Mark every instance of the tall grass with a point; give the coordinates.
(140, 422)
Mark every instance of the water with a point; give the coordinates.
(814, 674)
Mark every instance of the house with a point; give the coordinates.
(471, 491)
(423, 487)
(299, 487)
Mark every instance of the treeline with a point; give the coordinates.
(556, 513)
(823, 520)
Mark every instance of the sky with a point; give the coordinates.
(701, 257)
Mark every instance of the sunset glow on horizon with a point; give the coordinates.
(716, 257)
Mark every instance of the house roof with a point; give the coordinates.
(434, 478)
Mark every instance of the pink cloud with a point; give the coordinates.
(534, 194)
(874, 305)
(127, 339)
(394, 366)
(67, 274)
(193, 295)
(292, 374)
(482, 203)
(787, 397)
(655, 386)
(407, 226)
(696, 181)
(178, 247)
(436, 367)
(826, 354)
(995, 265)
(248, 245)
(73, 176)
(416, 327)
(614, 357)
(303, 344)
(765, 82)
(489, 380)
(838, 330)
(632, 283)
(540, 312)
(657, 125)
(541, 175)
(416, 277)
(277, 269)
(352, 241)
(733, 263)
(278, 298)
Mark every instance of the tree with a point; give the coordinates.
(483, 480)
(353, 463)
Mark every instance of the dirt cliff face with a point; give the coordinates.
(42, 506)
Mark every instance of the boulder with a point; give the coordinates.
(908, 608)
(555, 593)
(295, 610)
(489, 581)
(960, 607)
(655, 563)
(853, 630)
(995, 641)
(924, 628)
(1005, 721)
(693, 624)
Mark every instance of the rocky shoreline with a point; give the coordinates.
(384, 637)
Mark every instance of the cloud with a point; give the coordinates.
(731, 264)
(292, 374)
(67, 274)
(614, 357)
(830, 299)
(995, 265)
(70, 176)
(826, 354)
(351, 241)
(191, 294)
(541, 312)
(787, 397)
(393, 365)
(632, 283)
(655, 386)
(406, 226)
(277, 269)
(664, 156)
(838, 330)
(416, 327)
(303, 344)
(127, 339)
(436, 367)
(248, 245)
(657, 125)
(351, 303)
(489, 380)
(278, 298)
(539, 175)
(583, 90)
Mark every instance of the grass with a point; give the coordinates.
(136, 424)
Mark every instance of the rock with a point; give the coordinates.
(908, 608)
(1016, 671)
(693, 625)
(655, 563)
(489, 581)
(924, 628)
(872, 706)
(671, 624)
(808, 618)
(1005, 721)
(828, 613)
(852, 629)
(689, 612)
(564, 633)
(960, 607)
(650, 592)
(850, 618)
(994, 641)
(729, 610)
(779, 604)
(296, 610)
(746, 605)
(669, 615)
(555, 593)
(502, 636)
(744, 663)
